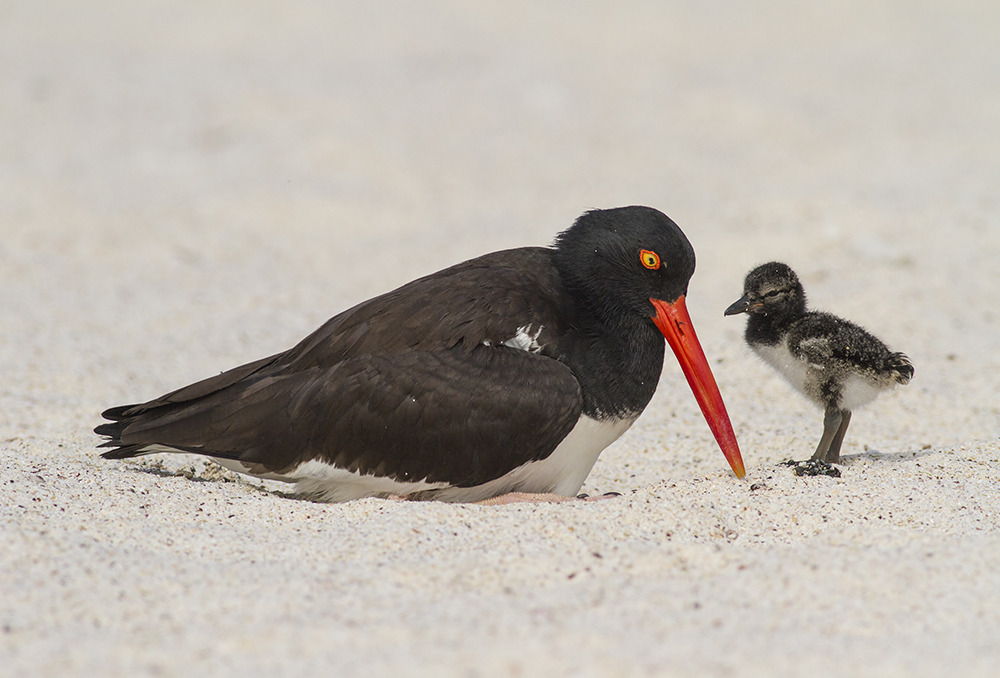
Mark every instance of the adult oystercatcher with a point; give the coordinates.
(831, 361)
(508, 373)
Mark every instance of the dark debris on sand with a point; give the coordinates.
(812, 467)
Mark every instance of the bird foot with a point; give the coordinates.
(813, 467)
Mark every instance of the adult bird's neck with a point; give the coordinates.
(618, 365)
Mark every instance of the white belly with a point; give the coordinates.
(562, 472)
(856, 388)
(795, 370)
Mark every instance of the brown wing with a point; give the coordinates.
(404, 385)
(458, 416)
(482, 300)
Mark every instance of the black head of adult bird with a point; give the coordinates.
(507, 373)
(834, 363)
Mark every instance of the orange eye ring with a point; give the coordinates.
(649, 259)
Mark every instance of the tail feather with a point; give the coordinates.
(124, 451)
(116, 413)
(113, 431)
(901, 367)
(131, 421)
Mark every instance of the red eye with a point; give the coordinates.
(649, 259)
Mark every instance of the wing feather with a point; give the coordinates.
(463, 417)
(415, 383)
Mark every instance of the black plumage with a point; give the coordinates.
(835, 363)
(450, 386)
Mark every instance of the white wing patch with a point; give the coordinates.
(525, 340)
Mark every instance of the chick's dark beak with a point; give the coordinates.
(741, 305)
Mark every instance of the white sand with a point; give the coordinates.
(188, 186)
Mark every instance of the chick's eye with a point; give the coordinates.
(649, 259)
(773, 293)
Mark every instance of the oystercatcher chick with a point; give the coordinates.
(508, 373)
(831, 361)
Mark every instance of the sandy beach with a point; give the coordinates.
(186, 187)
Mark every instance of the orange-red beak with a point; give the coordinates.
(675, 323)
